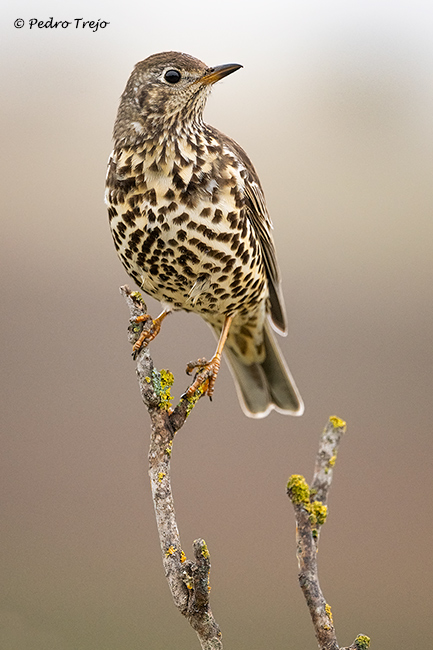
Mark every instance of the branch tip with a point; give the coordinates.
(361, 642)
(338, 423)
(200, 549)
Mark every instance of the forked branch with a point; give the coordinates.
(310, 507)
(189, 579)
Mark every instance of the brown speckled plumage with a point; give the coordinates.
(190, 224)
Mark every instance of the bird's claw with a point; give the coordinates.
(200, 364)
(148, 333)
(205, 378)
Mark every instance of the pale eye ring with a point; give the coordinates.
(172, 76)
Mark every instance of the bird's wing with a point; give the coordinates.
(261, 222)
(258, 216)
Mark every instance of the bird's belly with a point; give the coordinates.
(206, 259)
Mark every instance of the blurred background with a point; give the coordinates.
(335, 107)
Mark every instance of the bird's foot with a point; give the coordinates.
(206, 375)
(149, 333)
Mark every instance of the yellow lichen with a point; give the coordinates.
(300, 494)
(329, 612)
(136, 295)
(362, 642)
(204, 551)
(337, 423)
(161, 476)
(182, 557)
(298, 489)
(318, 512)
(332, 460)
(192, 401)
(168, 449)
(162, 383)
(170, 551)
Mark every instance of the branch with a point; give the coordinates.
(188, 580)
(309, 503)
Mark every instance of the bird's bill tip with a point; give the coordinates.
(215, 74)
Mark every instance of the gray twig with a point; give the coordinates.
(309, 503)
(188, 580)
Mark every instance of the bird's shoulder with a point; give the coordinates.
(228, 143)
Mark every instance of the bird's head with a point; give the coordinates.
(165, 93)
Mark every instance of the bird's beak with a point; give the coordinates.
(215, 74)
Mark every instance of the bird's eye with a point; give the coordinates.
(172, 76)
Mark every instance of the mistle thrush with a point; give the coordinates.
(190, 225)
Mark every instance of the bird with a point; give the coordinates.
(189, 222)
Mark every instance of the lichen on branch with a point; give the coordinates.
(309, 503)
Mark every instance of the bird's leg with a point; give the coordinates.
(147, 335)
(208, 370)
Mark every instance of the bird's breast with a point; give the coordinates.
(179, 225)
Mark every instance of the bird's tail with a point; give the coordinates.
(266, 385)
